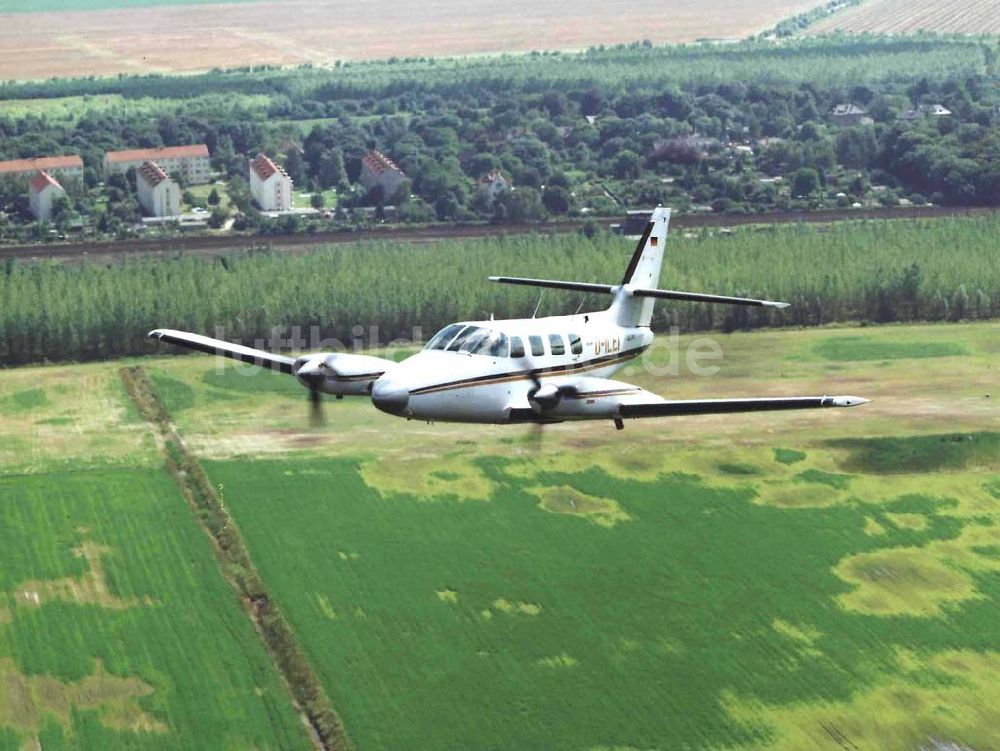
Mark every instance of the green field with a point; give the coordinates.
(824, 580)
(758, 582)
(116, 628)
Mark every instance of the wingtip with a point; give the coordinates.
(849, 401)
(770, 304)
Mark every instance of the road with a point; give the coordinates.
(223, 244)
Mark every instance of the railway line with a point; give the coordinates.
(216, 245)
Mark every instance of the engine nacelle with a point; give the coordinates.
(586, 397)
(341, 373)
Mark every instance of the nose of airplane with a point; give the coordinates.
(390, 397)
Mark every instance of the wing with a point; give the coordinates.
(224, 349)
(667, 408)
(589, 398)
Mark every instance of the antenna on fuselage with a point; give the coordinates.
(535, 314)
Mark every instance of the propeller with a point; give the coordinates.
(311, 373)
(544, 397)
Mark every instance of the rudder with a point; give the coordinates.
(643, 272)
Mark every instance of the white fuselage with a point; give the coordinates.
(477, 382)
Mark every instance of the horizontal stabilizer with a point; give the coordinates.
(224, 349)
(724, 406)
(605, 289)
(669, 294)
(663, 294)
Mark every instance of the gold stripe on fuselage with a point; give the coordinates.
(525, 375)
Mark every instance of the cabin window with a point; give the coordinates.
(495, 345)
(459, 340)
(441, 339)
(575, 344)
(537, 347)
(475, 340)
(516, 347)
(556, 344)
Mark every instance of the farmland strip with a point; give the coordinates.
(237, 567)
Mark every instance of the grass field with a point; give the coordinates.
(908, 16)
(116, 628)
(820, 580)
(104, 37)
(765, 582)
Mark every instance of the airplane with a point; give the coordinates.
(530, 370)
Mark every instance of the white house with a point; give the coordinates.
(43, 190)
(158, 194)
(270, 185)
(189, 162)
(494, 183)
(378, 169)
(850, 114)
(925, 110)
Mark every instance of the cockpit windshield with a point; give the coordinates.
(443, 338)
(473, 340)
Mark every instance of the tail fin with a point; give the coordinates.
(634, 297)
(643, 272)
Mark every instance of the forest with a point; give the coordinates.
(863, 271)
(709, 127)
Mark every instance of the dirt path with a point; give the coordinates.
(308, 695)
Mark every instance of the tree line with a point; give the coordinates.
(871, 271)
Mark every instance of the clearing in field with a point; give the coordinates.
(77, 38)
(909, 16)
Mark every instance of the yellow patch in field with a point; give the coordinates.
(486, 614)
(447, 595)
(347, 556)
(84, 417)
(325, 606)
(902, 581)
(908, 521)
(873, 528)
(428, 477)
(561, 660)
(899, 714)
(804, 634)
(605, 512)
(90, 588)
(29, 700)
(798, 495)
(506, 606)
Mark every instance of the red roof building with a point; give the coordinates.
(264, 167)
(67, 166)
(43, 180)
(379, 170)
(158, 194)
(270, 185)
(43, 189)
(188, 162)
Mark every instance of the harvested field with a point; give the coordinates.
(907, 16)
(200, 37)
